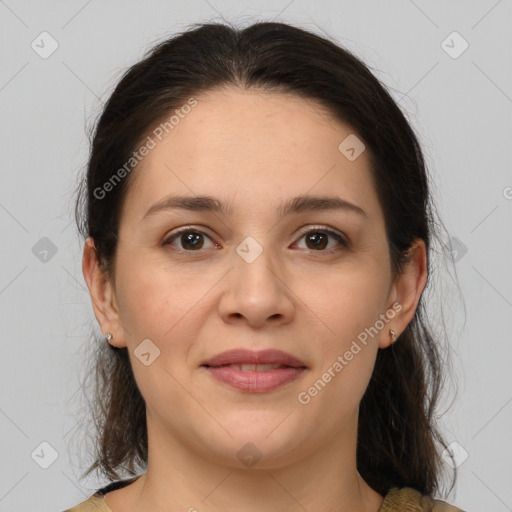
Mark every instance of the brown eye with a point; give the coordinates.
(190, 240)
(318, 239)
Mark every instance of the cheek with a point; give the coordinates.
(345, 304)
(162, 305)
(347, 308)
(154, 299)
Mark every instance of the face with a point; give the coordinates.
(247, 277)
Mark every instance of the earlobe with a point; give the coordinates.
(406, 292)
(101, 293)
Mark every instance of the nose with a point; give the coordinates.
(256, 293)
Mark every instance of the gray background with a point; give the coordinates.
(461, 107)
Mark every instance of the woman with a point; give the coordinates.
(258, 226)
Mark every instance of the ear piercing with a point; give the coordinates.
(391, 331)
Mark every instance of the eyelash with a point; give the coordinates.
(315, 229)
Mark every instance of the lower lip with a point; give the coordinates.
(255, 382)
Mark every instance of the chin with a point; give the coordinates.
(256, 446)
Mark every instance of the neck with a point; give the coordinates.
(178, 478)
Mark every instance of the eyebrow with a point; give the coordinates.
(295, 205)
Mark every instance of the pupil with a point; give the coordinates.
(319, 240)
(193, 240)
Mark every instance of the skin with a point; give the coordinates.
(253, 149)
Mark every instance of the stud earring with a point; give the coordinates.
(108, 336)
(393, 335)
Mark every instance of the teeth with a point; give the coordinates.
(254, 367)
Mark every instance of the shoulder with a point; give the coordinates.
(410, 500)
(95, 503)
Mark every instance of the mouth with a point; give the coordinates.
(242, 356)
(255, 372)
(255, 378)
(248, 367)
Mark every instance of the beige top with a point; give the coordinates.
(396, 500)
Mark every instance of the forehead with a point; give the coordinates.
(252, 147)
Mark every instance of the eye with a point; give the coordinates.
(317, 239)
(190, 239)
(193, 240)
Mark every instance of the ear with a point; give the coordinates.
(406, 291)
(102, 294)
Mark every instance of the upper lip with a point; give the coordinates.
(244, 356)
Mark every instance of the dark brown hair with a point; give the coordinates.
(398, 440)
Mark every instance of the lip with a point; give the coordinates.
(255, 381)
(245, 356)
